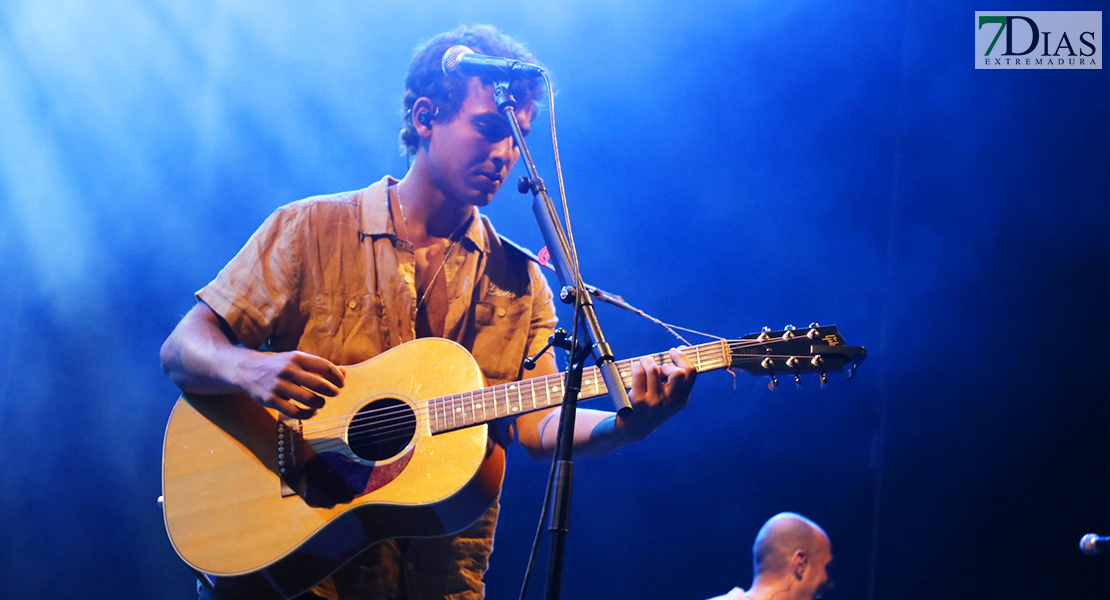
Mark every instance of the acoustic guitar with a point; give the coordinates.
(265, 507)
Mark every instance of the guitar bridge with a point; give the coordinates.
(290, 456)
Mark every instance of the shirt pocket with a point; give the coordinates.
(501, 326)
(346, 328)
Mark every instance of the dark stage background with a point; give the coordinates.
(729, 165)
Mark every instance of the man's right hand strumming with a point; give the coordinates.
(202, 357)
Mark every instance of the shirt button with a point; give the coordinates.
(352, 304)
(501, 312)
(410, 566)
(408, 278)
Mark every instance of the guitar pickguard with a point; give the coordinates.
(373, 449)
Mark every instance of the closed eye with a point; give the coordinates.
(496, 129)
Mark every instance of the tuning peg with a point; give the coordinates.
(814, 325)
(852, 370)
(763, 334)
(774, 383)
(824, 380)
(797, 381)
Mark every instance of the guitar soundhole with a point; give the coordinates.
(381, 429)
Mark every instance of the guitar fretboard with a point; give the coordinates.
(456, 411)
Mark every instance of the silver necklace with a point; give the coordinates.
(422, 296)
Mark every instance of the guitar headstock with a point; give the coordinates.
(812, 350)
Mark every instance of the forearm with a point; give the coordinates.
(202, 357)
(657, 393)
(596, 432)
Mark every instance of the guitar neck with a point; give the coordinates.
(456, 411)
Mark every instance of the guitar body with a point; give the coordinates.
(261, 520)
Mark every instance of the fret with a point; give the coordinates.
(456, 408)
(476, 400)
(514, 398)
(441, 418)
(594, 375)
(485, 411)
(444, 424)
(448, 414)
(531, 399)
(466, 406)
(444, 412)
(497, 399)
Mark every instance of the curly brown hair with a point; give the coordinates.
(426, 79)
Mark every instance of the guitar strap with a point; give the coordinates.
(528, 253)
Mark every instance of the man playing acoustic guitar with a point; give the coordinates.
(333, 281)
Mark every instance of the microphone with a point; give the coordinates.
(1091, 544)
(461, 62)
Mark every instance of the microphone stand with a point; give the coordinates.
(569, 276)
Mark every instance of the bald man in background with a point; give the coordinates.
(789, 558)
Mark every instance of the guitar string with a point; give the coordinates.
(395, 418)
(500, 395)
(455, 419)
(390, 434)
(385, 434)
(507, 389)
(709, 353)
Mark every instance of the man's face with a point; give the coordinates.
(819, 576)
(472, 154)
